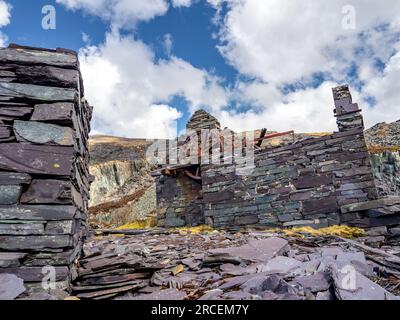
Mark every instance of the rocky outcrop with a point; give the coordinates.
(122, 188)
(383, 141)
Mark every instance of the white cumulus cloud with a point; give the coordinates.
(181, 3)
(130, 89)
(280, 42)
(121, 13)
(5, 17)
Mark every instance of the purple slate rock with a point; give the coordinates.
(212, 294)
(330, 251)
(255, 285)
(352, 285)
(281, 265)
(235, 282)
(166, 294)
(237, 295)
(40, 296)
(357, 260)
(269, 295)
(315, 283)
(256, 250)
(233, 270)
(324, 295)
(10, 286)
(308, 267)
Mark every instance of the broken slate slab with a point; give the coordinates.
(281, 265)
(315, 283)
(11, 259)
(166, 294)
(211, 294)
(352, 285)
(10, 286)
(255, 285)
(237, 295)
(256, 250)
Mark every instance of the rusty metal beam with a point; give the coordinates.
(274, 135)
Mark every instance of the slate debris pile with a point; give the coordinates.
(222, 265)
(44, 180)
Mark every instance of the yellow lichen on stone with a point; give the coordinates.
(178, 269)
(195, 230)
(341, 231)
(139, 224)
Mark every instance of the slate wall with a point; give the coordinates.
(179, 201)
(44, 178)
(305, 183)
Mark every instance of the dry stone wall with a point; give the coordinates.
(179, 201)
(44, 178)
(304, 183)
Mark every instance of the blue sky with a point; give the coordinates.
(148, 64)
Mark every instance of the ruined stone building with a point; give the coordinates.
(312, 181)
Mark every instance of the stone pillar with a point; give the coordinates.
(44, 178)
(348, 115)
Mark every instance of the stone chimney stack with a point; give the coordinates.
(348, 115)
(203, 120)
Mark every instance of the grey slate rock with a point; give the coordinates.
(315, 283)
(10, 194)
(10, 286)
(43, 133)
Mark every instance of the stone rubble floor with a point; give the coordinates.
(222, 265)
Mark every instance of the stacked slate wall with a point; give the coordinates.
(179, 201)
(305, 183)
(44, 179)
